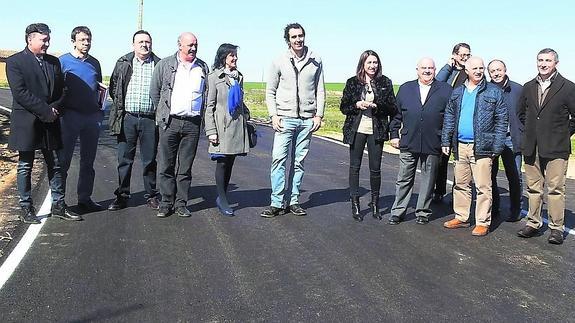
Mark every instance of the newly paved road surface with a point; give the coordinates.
(131, 266)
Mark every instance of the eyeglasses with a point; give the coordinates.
(464, 55)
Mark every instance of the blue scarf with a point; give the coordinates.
(234, 97)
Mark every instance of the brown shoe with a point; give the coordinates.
(455, 224)
(480, 231)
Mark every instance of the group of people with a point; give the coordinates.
(458, 111)
(164, 103)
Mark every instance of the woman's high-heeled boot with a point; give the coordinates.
(374, 206)
(355, 209)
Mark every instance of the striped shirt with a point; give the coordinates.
(138, 93)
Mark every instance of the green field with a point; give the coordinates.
(333, 118)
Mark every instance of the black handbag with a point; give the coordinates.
(252, 135)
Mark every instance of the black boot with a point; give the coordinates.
(60, 210)
(374, 206)
(355, 209)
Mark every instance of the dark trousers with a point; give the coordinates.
(374, 150)
(86, 127)
(512, 166)
(176, 152)
(134, 129)
(441, 178)
(24, 176)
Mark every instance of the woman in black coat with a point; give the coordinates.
(368, 102)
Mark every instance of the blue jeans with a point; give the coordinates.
(295, 133)
(24, 176)
(144, 130)
(512, 165)
(86, 127)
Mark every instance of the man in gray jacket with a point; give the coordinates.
(178, 91)
(295, 97)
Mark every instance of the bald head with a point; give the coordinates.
(474, 67)
(425, 70)
(187, 46)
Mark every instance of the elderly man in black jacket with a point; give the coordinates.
(132, 119)
(547, 109)
(421, 105)
(37, 86)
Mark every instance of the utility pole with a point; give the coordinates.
(140, 14)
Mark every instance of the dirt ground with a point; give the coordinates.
(8, 193)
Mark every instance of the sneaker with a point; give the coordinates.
(455, 224)
(271, 211)
(28, 215)
(183, 212)
(480, 231)
(296, 209)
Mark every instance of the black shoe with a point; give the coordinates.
(355, 209)
(60, 210)
(556, 237)
(153, 203)
(119, 203)
(271, 211)
(422, 220)
(374, 206)
(28, 215)
(183, 212)
(514, 218)
(163, 212)
(90, 206)
(394, 219)
(437, 198)
(296, 209)
(528, 232)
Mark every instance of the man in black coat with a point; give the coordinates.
(421, 105)
(547, 110)
(36, 82)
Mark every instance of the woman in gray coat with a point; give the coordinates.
(225, 120)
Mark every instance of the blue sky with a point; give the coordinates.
(400, 31)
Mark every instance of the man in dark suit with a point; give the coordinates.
(36, 82)
(547, 111)
(511, 154)
(421, 106)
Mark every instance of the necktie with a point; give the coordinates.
(44, 70)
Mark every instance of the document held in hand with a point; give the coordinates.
(102, 95)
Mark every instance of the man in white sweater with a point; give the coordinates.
(295, 97)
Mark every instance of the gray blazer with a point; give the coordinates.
(161, 88)
(231, 130)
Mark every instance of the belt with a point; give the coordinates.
(186, 118)
(464, 142)
(141, 115)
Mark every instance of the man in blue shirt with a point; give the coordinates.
(83, 114)
(475, 125)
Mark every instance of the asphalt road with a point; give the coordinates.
(131, 266)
